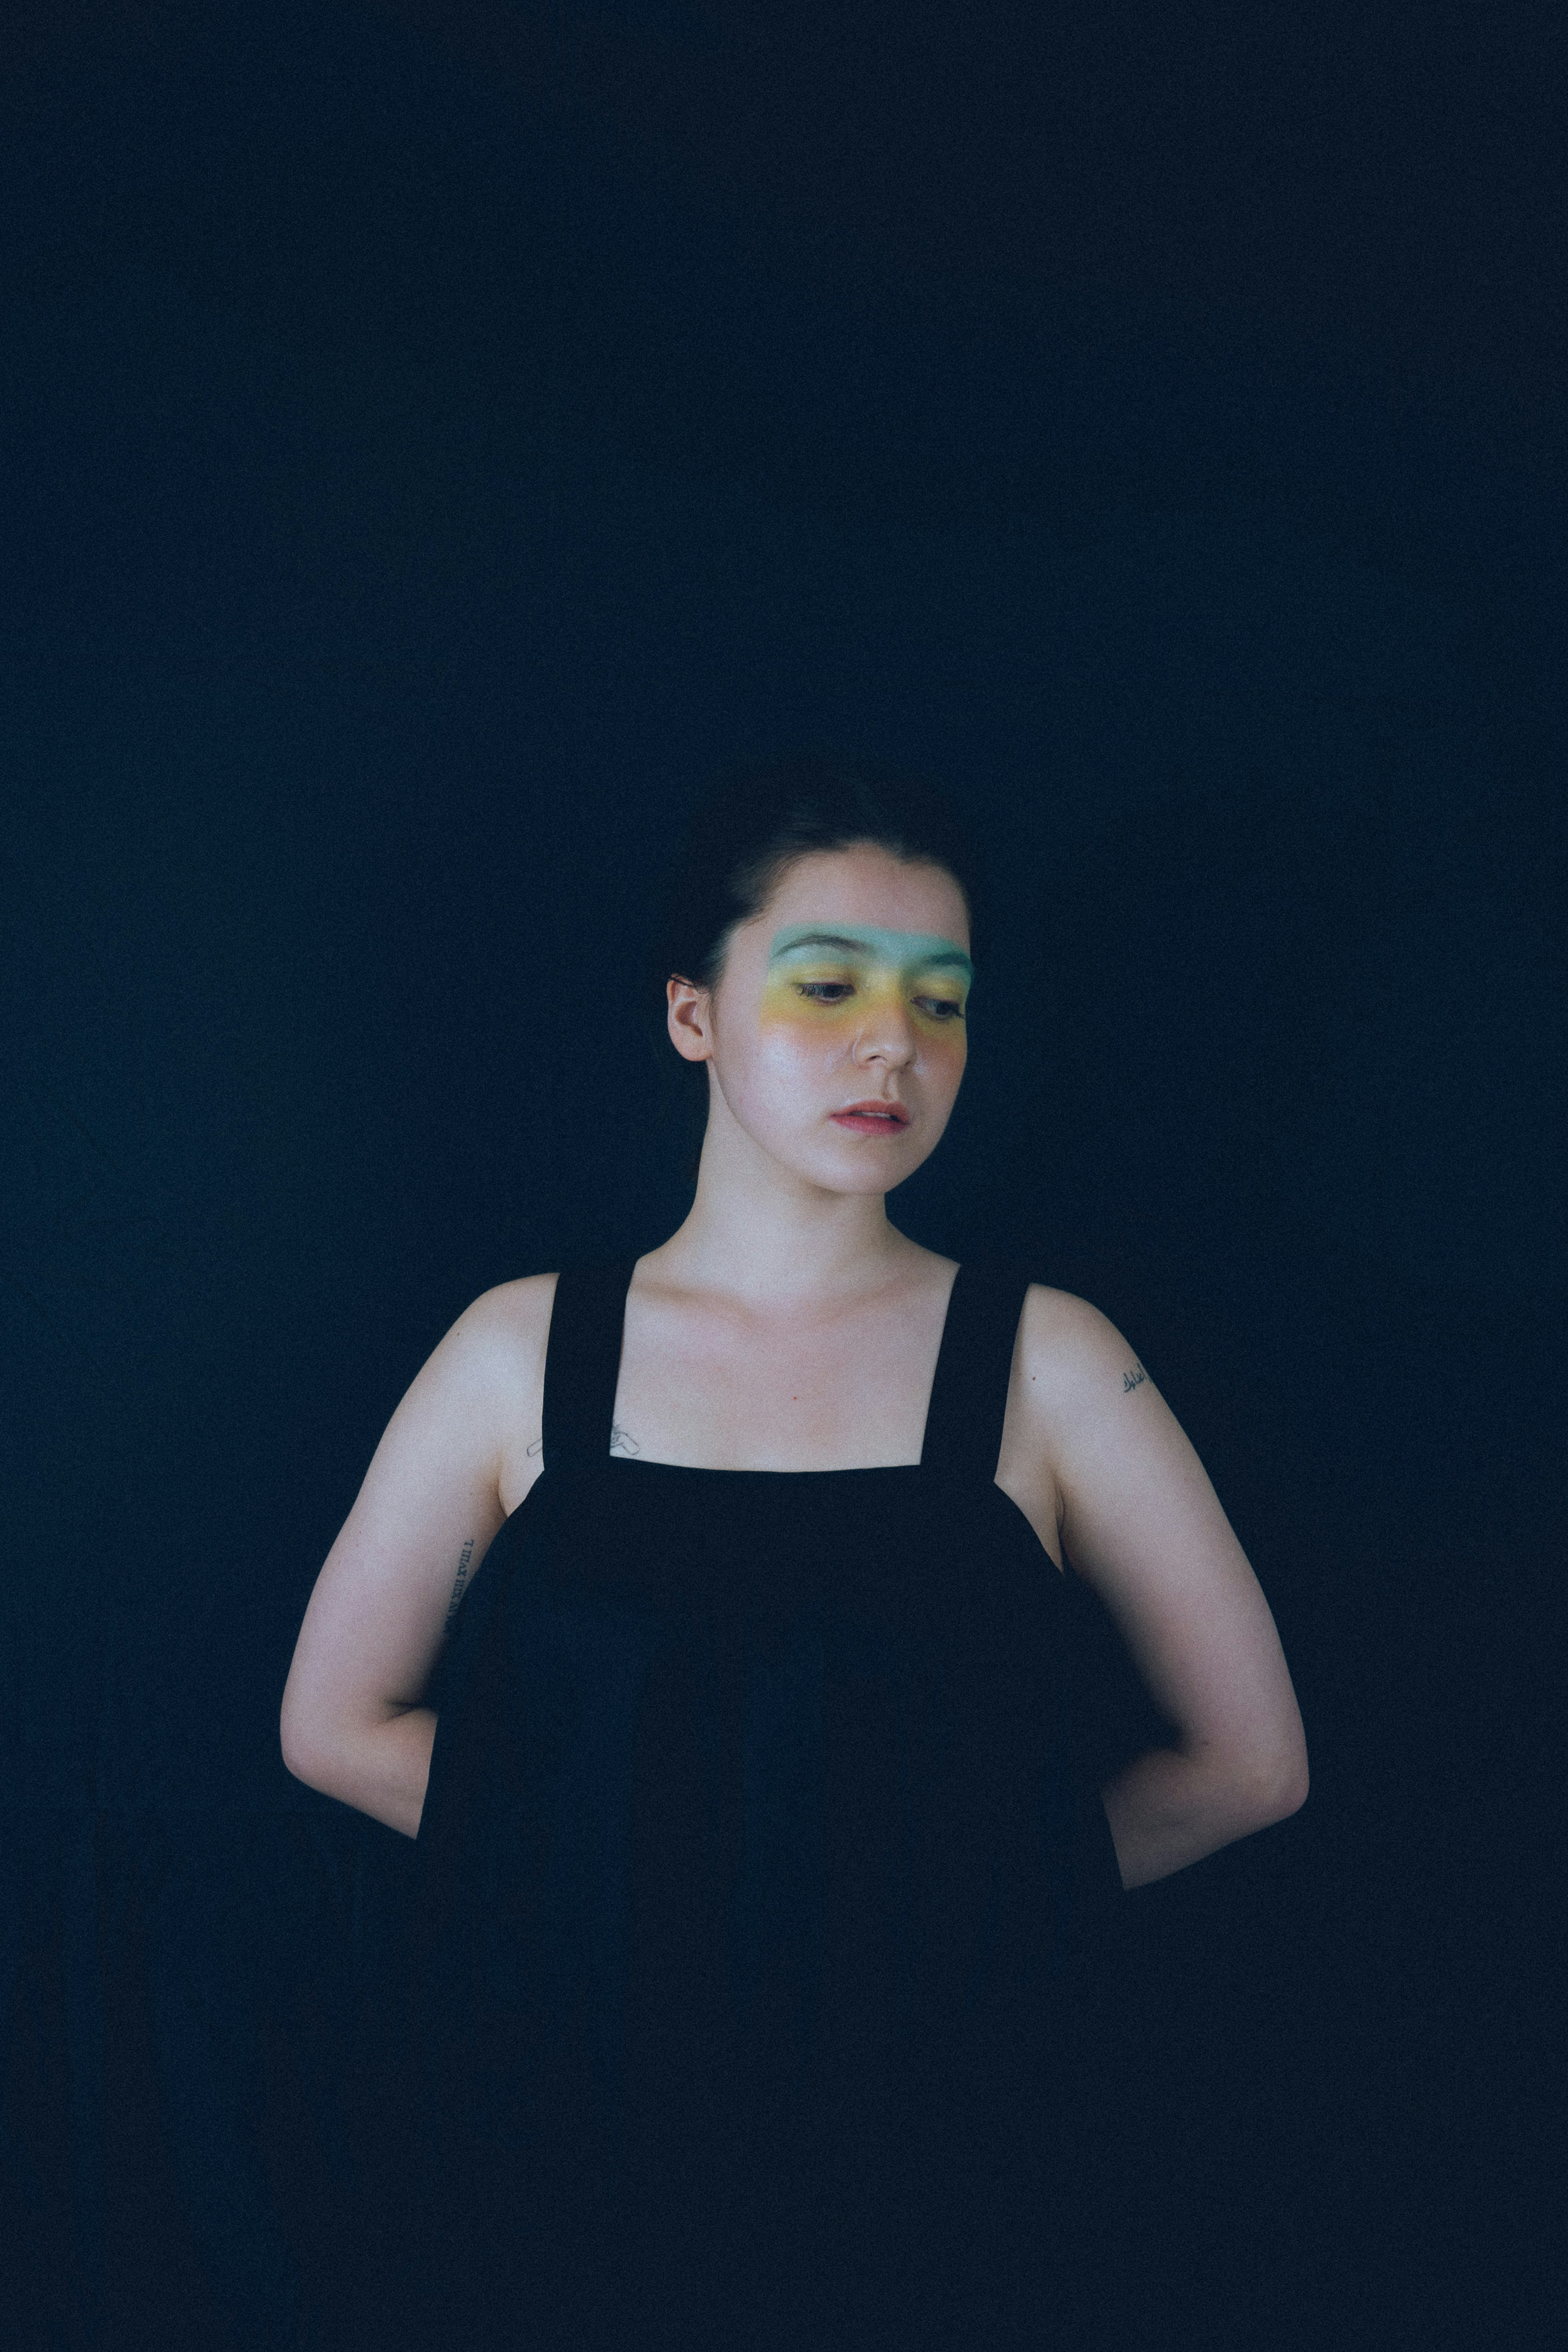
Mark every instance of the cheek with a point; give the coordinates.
(786, 1041)
(944, 1054)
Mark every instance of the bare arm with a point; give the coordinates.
(1143, 1525)
(352, 1723)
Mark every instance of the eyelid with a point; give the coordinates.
(839, 967)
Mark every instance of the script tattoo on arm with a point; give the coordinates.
(452, 1605)
(1130, 1380)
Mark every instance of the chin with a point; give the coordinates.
(843, 1173)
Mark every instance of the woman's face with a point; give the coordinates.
(850, 986)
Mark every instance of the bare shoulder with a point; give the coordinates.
(503, 1335)
(1071, 1355)
(514, 1315)
(492, 1345)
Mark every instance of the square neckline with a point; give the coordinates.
(965, 1406)
(715, 1470)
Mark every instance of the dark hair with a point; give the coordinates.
(738, 842)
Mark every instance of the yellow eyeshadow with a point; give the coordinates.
(784, 989)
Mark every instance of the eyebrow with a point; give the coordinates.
(954, 956)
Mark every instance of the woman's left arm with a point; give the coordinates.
(1141, 1523)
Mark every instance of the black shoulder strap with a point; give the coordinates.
(969, 1391)
(582, 1357)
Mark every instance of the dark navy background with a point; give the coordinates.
(433, 441)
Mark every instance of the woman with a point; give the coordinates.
(751, 1842)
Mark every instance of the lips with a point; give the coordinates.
(891, 1114)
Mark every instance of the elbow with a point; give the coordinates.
(1256, 1784)
(1285, 1790)
(1274, 1772)
(1256, 1790)
(295, 1758)
(304, 1754)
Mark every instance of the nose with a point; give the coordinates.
(886, 1033)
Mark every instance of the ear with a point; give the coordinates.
(689, 1017)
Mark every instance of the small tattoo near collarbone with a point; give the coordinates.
(462, 1580)
(1130, 1380)
(622, 1440)
(535, 1447)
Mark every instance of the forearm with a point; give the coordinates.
(379, 1767)
(1167, 1808)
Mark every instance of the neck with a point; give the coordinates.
(774, 1242)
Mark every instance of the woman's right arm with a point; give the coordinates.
(352, 1724)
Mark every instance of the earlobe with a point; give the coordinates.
(689, 1043)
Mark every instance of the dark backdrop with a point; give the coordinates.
(434, 439)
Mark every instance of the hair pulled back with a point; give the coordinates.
(739, 844)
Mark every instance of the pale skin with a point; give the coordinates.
(788, 1325)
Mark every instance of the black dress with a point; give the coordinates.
(752, 1874)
